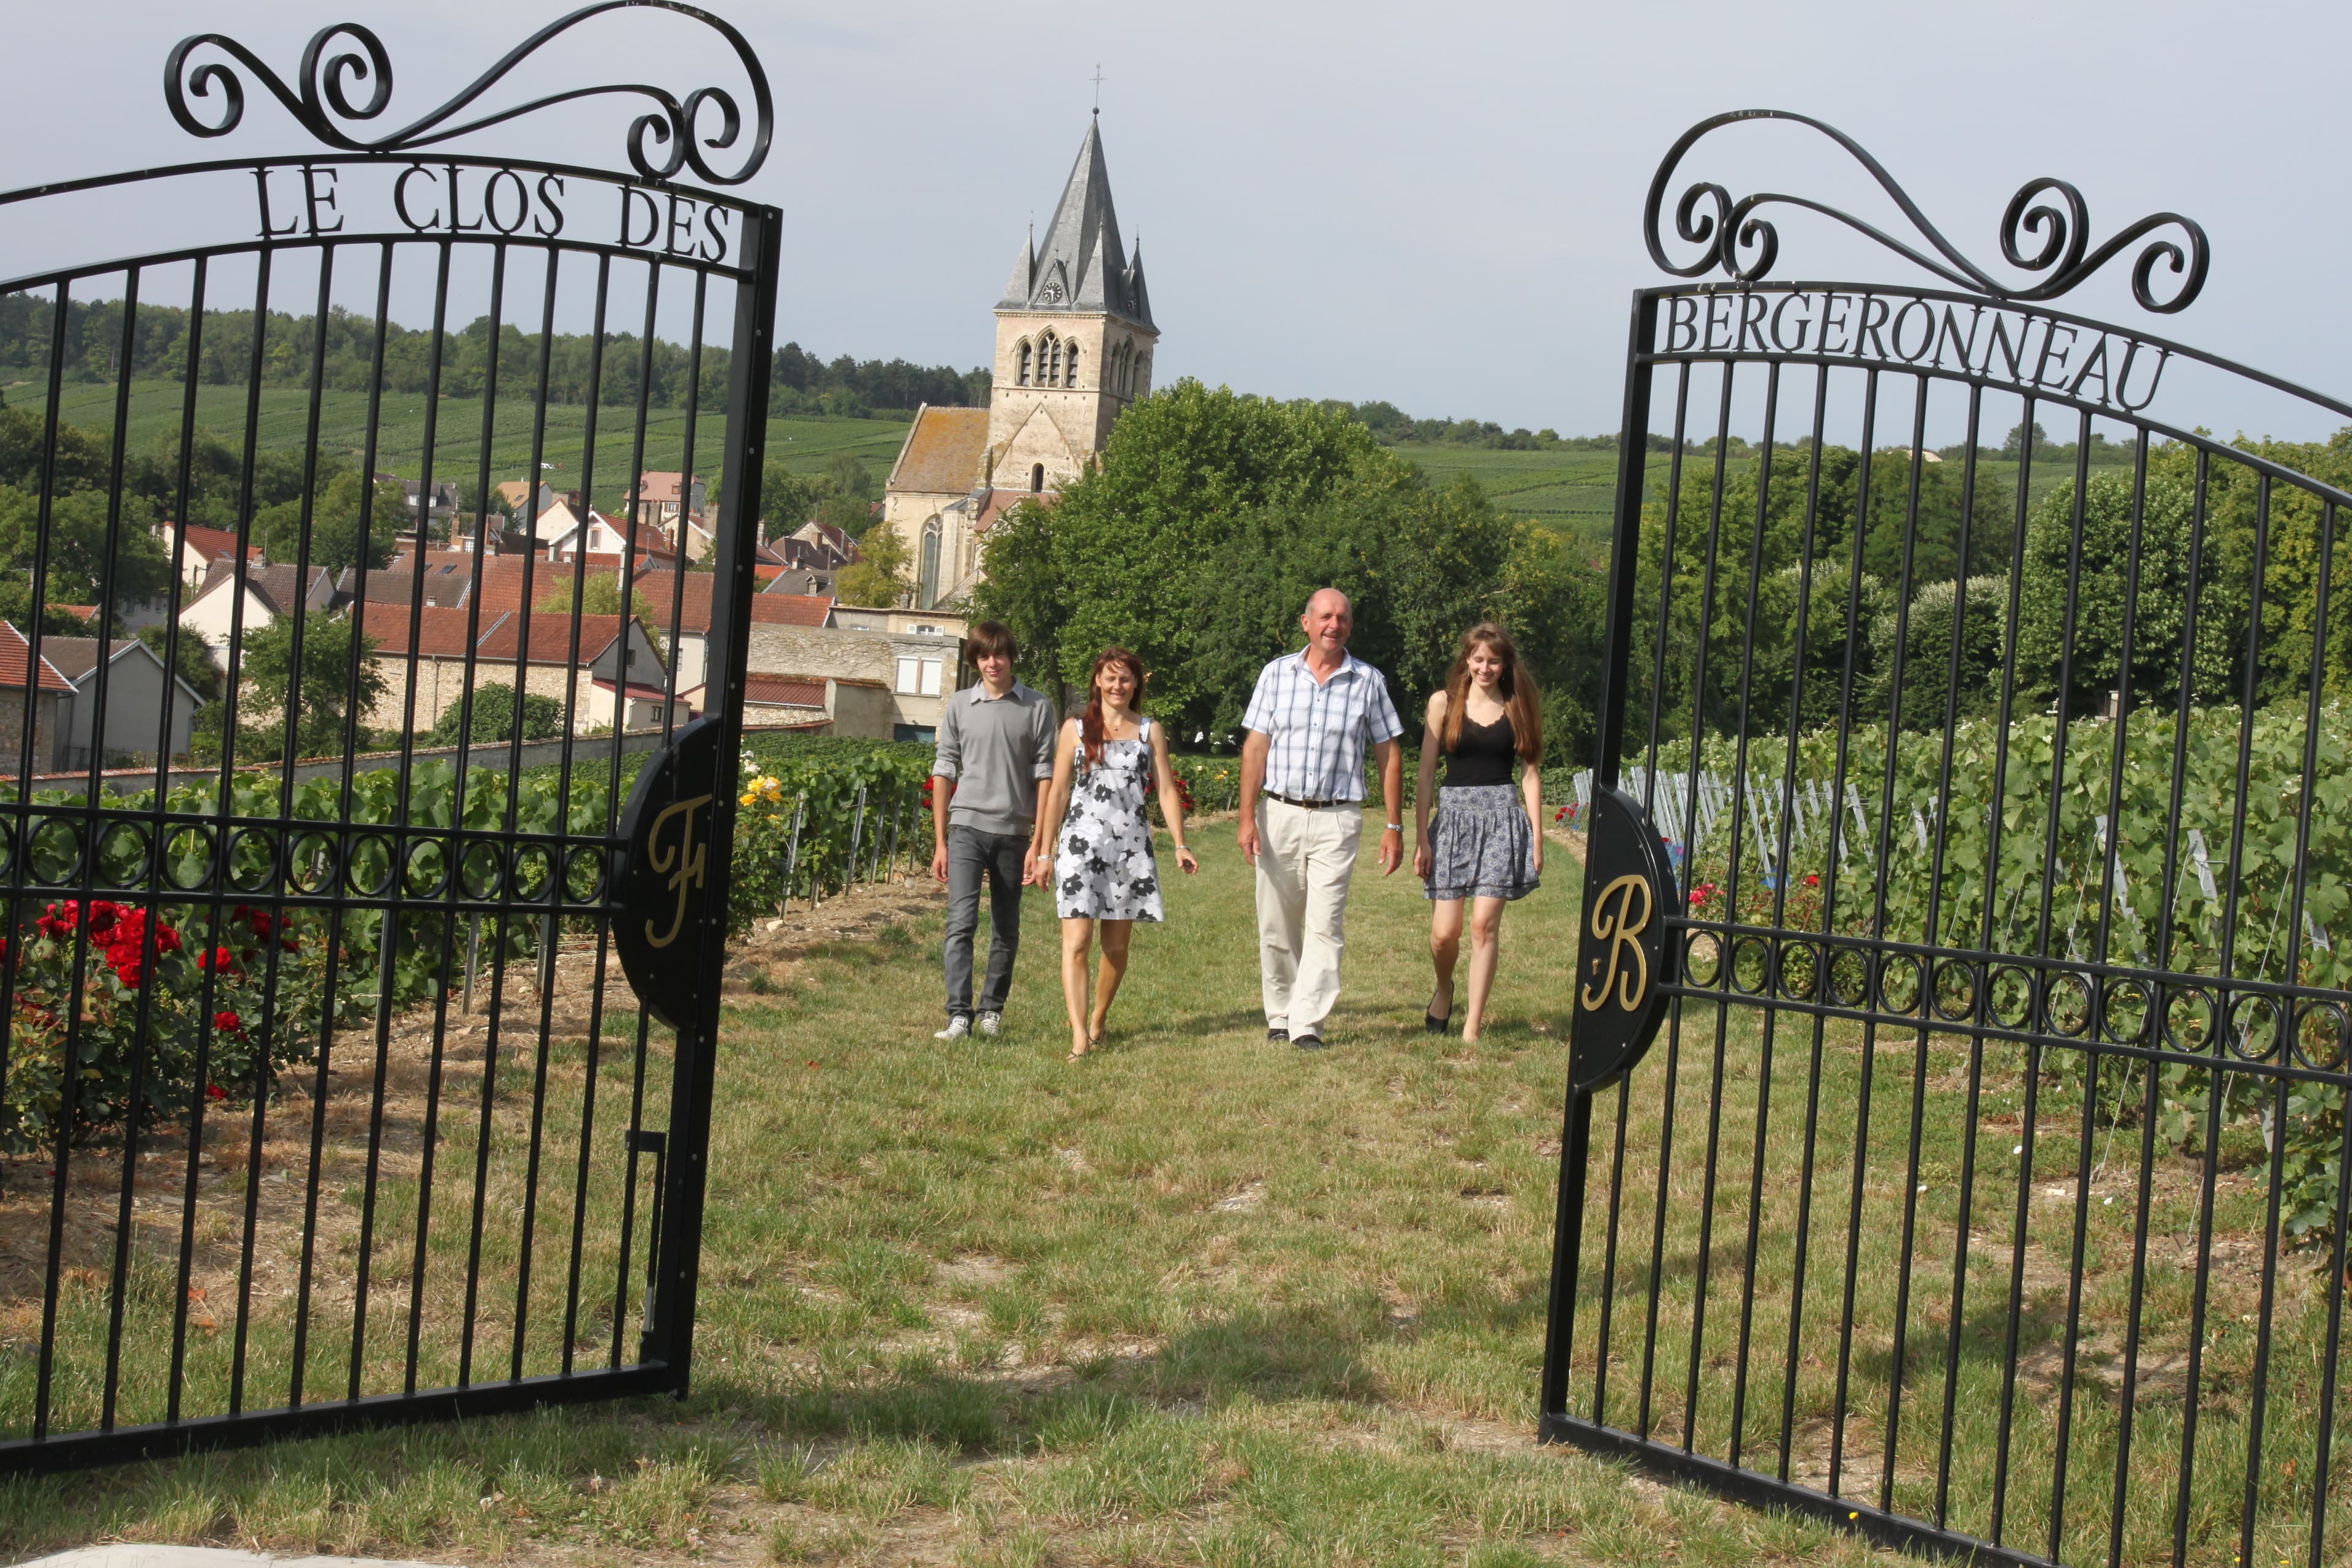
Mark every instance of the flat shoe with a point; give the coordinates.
(1436, 1025)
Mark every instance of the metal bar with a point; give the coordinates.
(1930, 975)
(1878, 1525)
(1869, 1043)
(1690, 875)
(1673, 1073)
(563, 793)
(2090, 1089)
(342, 865)
(2022, 1218)
(70, 1082)
(2109, 859)
(164, 1439)
(94, 845)
(743, 453)
(156, 836)
(1903, 598)
(625, 656)
(1723, 1006)
(1798, 1249)
(459, 857)
(387, 937)
(407, 840)
(533, 485)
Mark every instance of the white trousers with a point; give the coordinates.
(1305, 859)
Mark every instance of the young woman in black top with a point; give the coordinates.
(1485, 848)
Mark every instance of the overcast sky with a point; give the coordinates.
(1437, 206)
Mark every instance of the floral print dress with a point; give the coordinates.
(1104, 869)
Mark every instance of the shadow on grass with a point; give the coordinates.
(1270, 1356)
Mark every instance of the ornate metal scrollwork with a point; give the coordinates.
(659, 144)
(2060, 238)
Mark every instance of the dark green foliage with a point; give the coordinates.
(1213, 516)
(1393, 426)
(842, 496)
(1024, 590)
(2290, 551)
(1927, 674)
(493, 708)
(80, 460)
(195, 664)
(336, 541)
(79, 567)
(803, 383)
(1738, 575)
(800, 382)
(330, 684)
(2103, 580)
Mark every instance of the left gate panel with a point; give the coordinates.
(345, 583)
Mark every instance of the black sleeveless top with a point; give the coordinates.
(1482, 754)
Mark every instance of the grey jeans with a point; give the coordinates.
(1001, 856)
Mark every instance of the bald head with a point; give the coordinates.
(1325, 598)
(1329, 620)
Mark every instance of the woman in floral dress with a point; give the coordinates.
(1101, 865)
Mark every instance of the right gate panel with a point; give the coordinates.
(1986, 1182)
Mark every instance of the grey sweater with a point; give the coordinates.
(996, 750)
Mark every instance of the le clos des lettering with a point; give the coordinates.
(461, 198)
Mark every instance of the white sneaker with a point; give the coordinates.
(991, 1024)
(958, 1027)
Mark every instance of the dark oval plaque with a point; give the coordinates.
(663, 871)
(1624, 959)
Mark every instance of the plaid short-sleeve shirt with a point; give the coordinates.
(1318, 730)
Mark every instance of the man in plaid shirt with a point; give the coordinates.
(1308, 722)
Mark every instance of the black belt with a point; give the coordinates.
(1307, 804)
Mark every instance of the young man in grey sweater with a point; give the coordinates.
(995, 747)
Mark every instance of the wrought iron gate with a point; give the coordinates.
(320, 1100)
(1988, 1191)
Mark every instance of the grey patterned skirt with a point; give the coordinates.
(1480, 844)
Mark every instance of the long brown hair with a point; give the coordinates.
(1090, 727)
(1522, 703)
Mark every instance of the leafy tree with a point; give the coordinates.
(2103, 580)
(1022, 588)
(196, 664)
(598, 593)
(847, 474)
(1211, 518)
(1933, 530)
(1134, 537)
(1552, 597)
(879, 574)
(853, 517)
(81, 461)
(336, 541)
(2280, 525)
(2014, 445)
(1931, 683)
(1739, 567)
(494, 717)
(85, 559)
(327, 691)
(800, 382)
(1420, 565)
(786, 499)
(150, 480)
